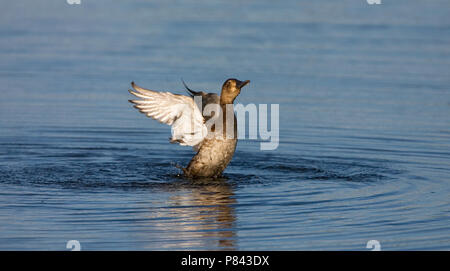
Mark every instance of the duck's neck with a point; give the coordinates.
(224, 100)
(226, 97)
(229, 122)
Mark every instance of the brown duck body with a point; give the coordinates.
(212, 158)
(214, 153)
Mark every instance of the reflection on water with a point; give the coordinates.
(204, 214)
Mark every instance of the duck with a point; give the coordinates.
(204, 121)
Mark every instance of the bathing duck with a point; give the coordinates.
(205, 121)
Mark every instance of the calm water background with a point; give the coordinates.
(364, 94)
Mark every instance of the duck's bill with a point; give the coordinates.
(241, 84)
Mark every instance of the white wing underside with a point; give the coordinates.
(179, 111)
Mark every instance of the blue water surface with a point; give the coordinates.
(364, 98)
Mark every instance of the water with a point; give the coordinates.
(364, 94)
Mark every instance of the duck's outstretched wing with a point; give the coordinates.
(179, 111)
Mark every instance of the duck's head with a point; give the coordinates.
(231, 89)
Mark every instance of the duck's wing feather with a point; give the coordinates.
(179, 111)
(207, 98)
